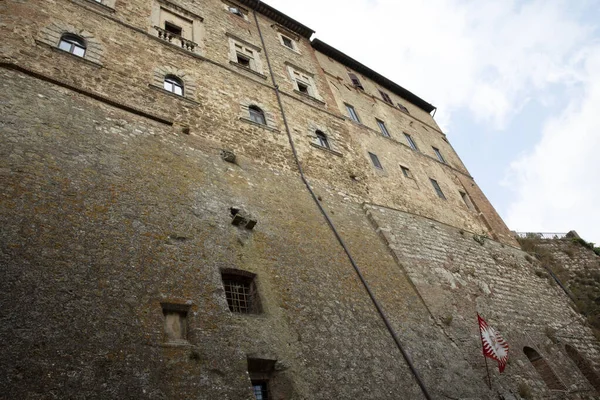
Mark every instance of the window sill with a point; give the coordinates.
(290, 49)
(82, 59)
(158, 88)
(308, 96)
(177, 343)
(264, 126)
(240, 66)
(337, 153)
(93, 3)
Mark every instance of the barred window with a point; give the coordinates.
(240, 292)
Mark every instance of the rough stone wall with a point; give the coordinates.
(458, 277)
(107, 214)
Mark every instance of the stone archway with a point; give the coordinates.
(584, 366)
(543, 368)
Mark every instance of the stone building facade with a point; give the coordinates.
(199, 202)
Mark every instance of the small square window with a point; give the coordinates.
(352, 113)
(240, 292)
(375, 161)
(243, 60)
(302, 87)
(437, 188)
(411, 142)
(406, 172)
(402, 108)
(175, 321)
(355, 81)
(236, 11)
(287, 42)
(383, 128)
(439, 155)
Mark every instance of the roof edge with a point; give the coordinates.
(337, 55)
(278, 17)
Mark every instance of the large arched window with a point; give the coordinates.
(322, 139)
(72, 44)
(543, 369)
(586, 369)
(173, 84)
(257, 115)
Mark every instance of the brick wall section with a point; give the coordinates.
(458, 277)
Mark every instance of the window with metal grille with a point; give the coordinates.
(375, 161)
(257, 115)
(383, 128)
(352, 113)
(402, 108)
(261, 390)
(322, 139)
(411, 142)
(438, 154)
(240, 292)
(386, 97)
(355, 81)
(437, 188)
(173, 84)
(72, 44)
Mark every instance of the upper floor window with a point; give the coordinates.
(355, 81)
(322, 140)
(402, 108)
(437, 188)
(177, 26)
(386, 97)
(352, 113)
(411, 142)
(257, 115)
(287, 42)
(72, 44)
(406, 172)
(383, 128)
(172, 28)
(438, 154)
(303, 81)
(236, 11)
(244, 54)
(173, 84)
(467, 200)
(375, 161)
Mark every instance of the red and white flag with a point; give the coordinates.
(494, 346)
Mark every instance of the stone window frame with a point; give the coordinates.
(438, 189)
(189, 87)
(197, 21)
(244, 114)
(106, 3)
(375, 161)
(181, 309)
(252, 297)
(284, 32)
(312, 130)
(249, 50)
(51, 35)
(227, 5)
(297, 74)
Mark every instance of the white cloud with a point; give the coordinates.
(557, 184)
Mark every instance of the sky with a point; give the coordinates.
(516, 84)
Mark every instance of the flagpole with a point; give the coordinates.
(487, 370)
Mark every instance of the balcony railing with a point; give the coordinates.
(175, 39)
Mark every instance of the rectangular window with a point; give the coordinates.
(386, 97)
(303, 82)
(355, 81)
(172, 28)
(240, 292)
(438, 154)
(383, 128)
(302, 87)
(352, 113)
(467, 200)
(406, 172)
(437, 188)
(287, 42)
(261, 373)
(175, 321)
(244, 54)
(411, 142)
(375, 161)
